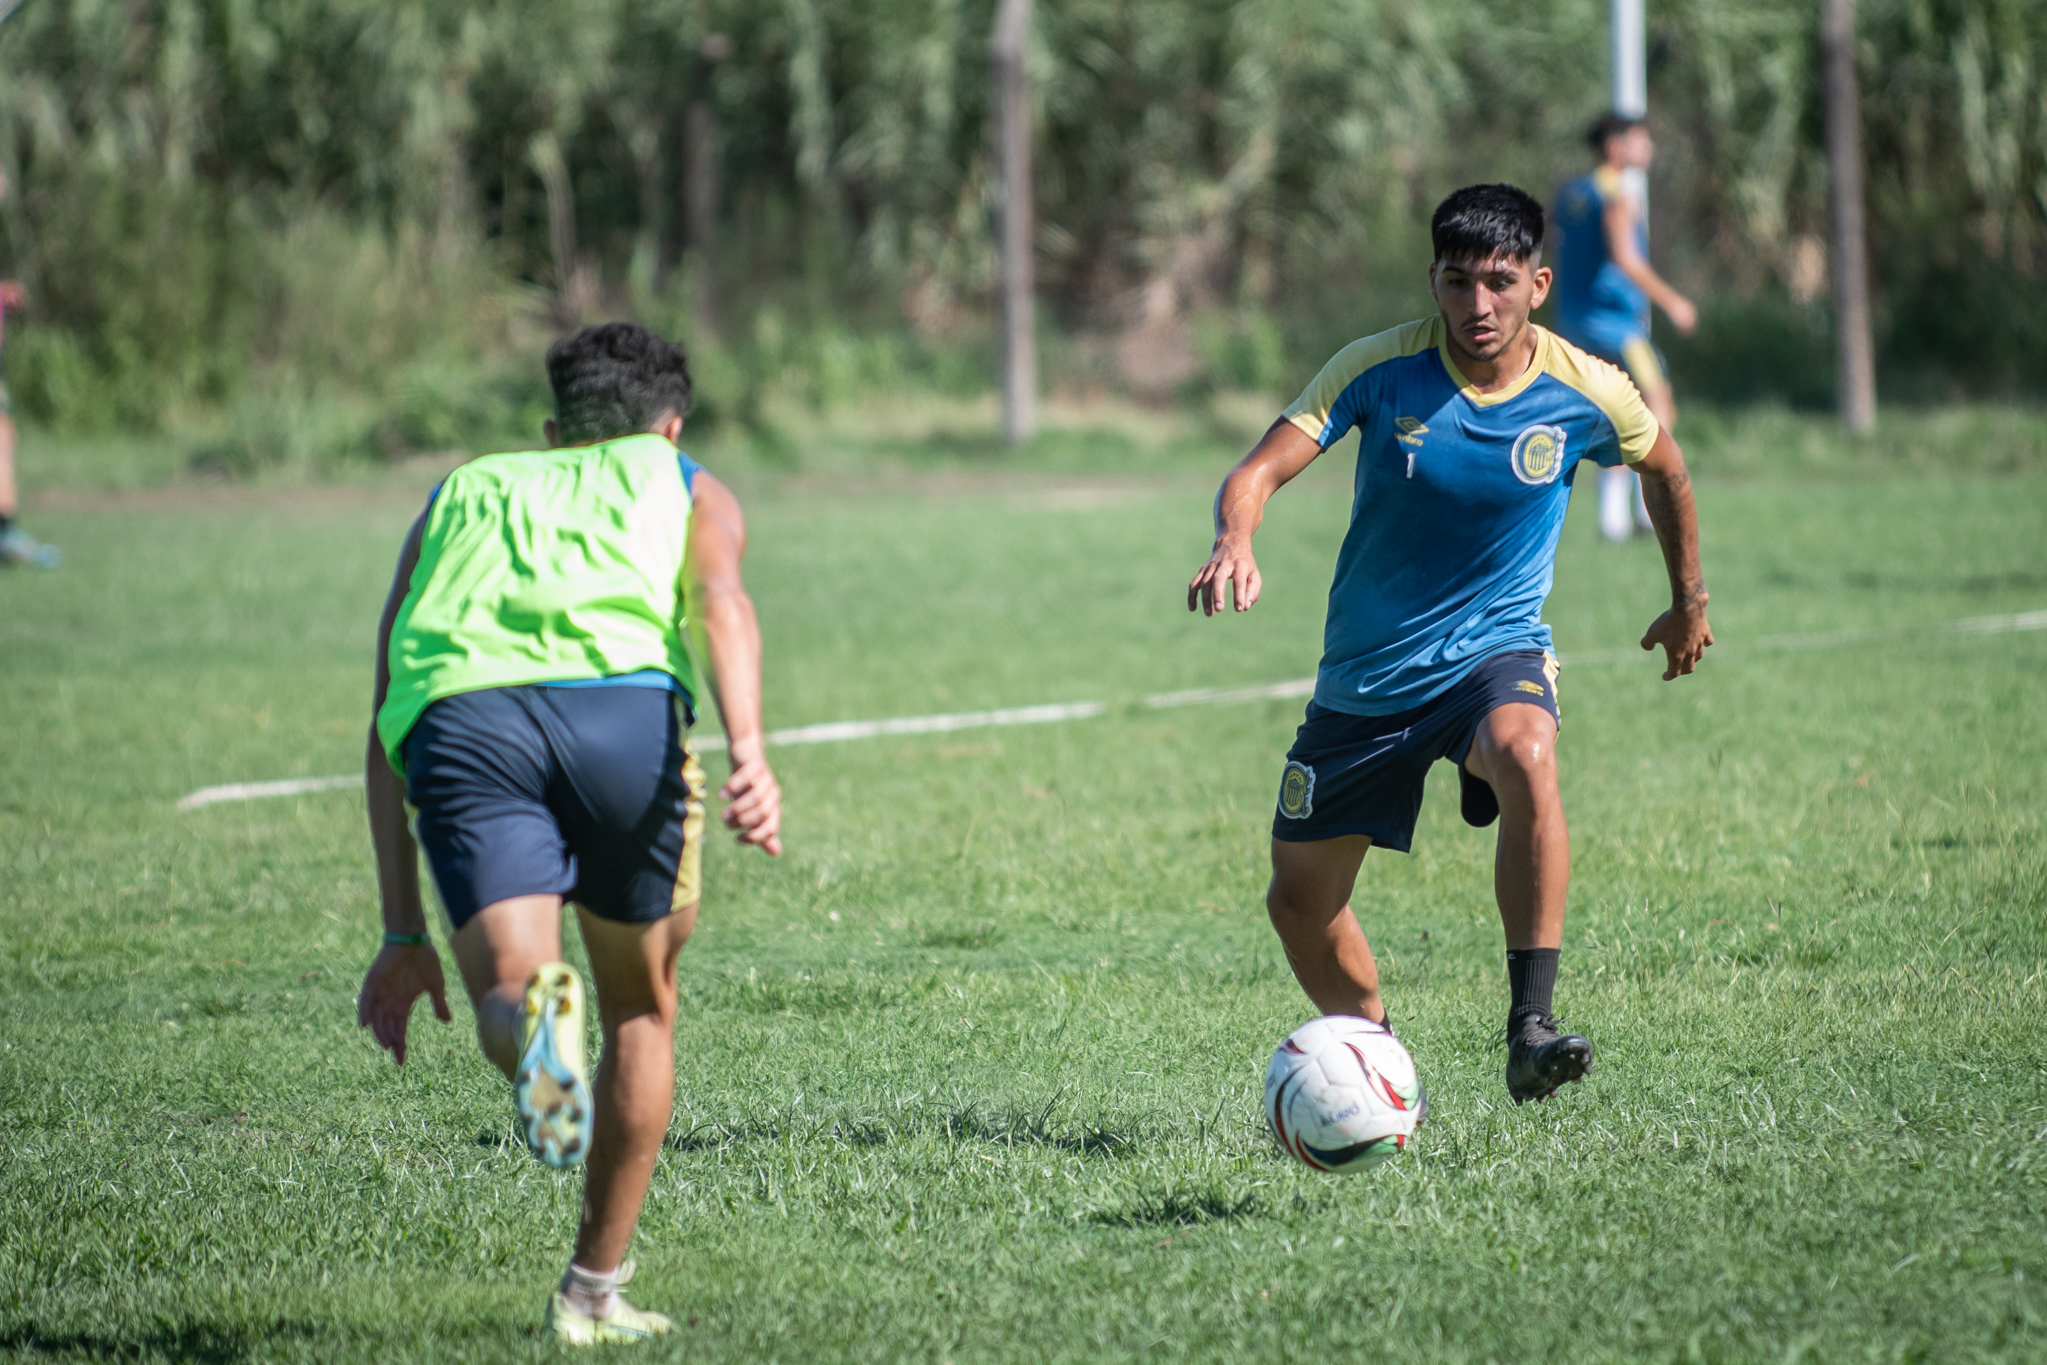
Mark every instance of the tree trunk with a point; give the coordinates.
(1854, 355)
(1016, 217)
(700, 184)
(546, 156)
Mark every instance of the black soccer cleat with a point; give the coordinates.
(1540, 1059)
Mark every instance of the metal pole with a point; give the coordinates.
(1854, 354)
(1016, 217)
(1629, 59)
(1628, 63)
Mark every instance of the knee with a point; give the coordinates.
(1286, 906)
(652, 1029)
(1525, 759)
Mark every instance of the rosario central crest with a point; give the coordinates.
(1538, 454)
(1297, 791)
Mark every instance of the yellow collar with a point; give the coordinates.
(1537, 363)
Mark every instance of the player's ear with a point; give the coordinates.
(548, 431)
(1544, 276)
(670, 427)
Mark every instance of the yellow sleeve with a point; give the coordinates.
(1611, 391)
(1322, 411)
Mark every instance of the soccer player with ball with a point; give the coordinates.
(1473, 424)
(535, 686)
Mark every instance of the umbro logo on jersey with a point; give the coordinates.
(1411, 429)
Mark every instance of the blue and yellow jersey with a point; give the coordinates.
(1460, 498)
(1596, 305)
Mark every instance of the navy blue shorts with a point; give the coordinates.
(1365, 774)
(588, 793)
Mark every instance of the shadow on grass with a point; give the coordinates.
(962, 1123)
(205, 1343)
(970, 936)
(1178, 1208)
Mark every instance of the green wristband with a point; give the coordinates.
(404, 940)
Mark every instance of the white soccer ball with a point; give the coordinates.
(1341, 1093)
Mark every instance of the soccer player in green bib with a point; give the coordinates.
(536, 679)
(1473, 424)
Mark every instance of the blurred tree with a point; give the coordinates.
(210, 188)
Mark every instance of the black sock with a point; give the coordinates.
(1532, 977)
(6, 523)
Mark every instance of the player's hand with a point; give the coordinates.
(1684, 635)
(1231, 564)
(1684, 315)
(12, 295)
(401, 974)
(753, 800)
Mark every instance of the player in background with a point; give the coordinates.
(1472, 424)
(536, 677)
(16, 545)
(1604, 287)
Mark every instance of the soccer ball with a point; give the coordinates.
(1341, 1093)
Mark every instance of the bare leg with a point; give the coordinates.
(498, 950)
(10, 497)
(634, 969)
(1515, 751)
(1309, 902)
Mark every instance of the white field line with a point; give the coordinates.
(832, 732)
(255, 791)
(1835, 639)
(1215, 696)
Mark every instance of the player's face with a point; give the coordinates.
(1633, 149)
(1487, 303)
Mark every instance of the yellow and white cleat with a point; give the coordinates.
(624, 1323)
(550, 1088)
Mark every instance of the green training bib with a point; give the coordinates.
(544, 566)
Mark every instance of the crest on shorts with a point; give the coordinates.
(1297, 791)
(1538, 455)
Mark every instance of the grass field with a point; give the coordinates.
(972, 1074)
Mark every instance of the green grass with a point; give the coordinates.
(972, 1074)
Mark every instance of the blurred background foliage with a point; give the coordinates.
(340, 227)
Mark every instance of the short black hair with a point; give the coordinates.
(1610, 125)
(615, 379)
(1484, 222)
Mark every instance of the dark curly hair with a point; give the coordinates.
(1485, 222)
(614, 380)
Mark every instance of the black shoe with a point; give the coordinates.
(1476, 801)
(1539, 1059)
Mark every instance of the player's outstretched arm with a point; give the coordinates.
(402, 972)
(727, 636)
(1667, 489)
(1618, 221)
(1284, 451)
